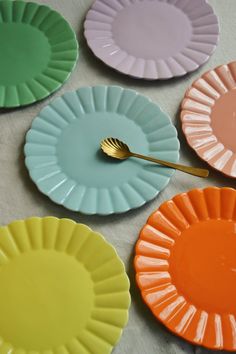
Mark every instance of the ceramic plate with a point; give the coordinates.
(63, 150)
(152, 39)
(209, 118)
(186, 266)
(63, 289)
(38, 52)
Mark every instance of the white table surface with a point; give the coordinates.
(19, 198)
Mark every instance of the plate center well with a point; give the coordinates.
(24, 53)
(81, 159)
(46, 298)
(203, 265)
(223, 119)
(151, 29)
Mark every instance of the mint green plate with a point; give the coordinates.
(38, 51)
(63, 150)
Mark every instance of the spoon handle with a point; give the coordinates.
(199, 172)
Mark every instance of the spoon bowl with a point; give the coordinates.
(115, 148)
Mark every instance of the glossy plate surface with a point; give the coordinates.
(209, 118)
(186, 266)
(152, 39)
(65, 161)
(63, 289)
(38, 52)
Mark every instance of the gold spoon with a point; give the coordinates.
(115, 148)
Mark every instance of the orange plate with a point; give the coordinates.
(186, 266)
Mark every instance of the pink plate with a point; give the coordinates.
(209, 118)
(152, 39)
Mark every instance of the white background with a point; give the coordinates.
(19, 198)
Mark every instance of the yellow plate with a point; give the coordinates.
(63, 289)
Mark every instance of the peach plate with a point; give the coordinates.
(186, 266)
(209, 118)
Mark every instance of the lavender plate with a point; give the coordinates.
(152, 39)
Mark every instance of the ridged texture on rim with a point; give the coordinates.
(63, 46)
(205, 33)
(111, 285)
(197, 107)
(41, 152)
(153, 274)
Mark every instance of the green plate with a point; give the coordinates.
(38, 51)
